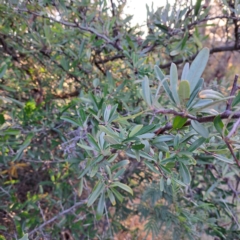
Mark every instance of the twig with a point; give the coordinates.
(169, 126)
(213, 50)
(78, 204)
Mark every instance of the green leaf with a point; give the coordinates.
(236, 100)
(184, 172)
(196, 144)
(174, 82)
(197, 7)
(119, 165)
(163, 138)
(2, 119)
(85, 147)
(25, 144)
(95, 193)
(111, 197)
(101, 205)
(3, 69)
(107, 113)
(223, 159)
(118, 195)
(162, 27)
(164, 82)
(197, 67)
(108, 131)
(195, 92)
(25, 237)
(184, 91)
(135, 130)
(138, 146)
(151, 167)
(185, 72)
(178, 122)
(218, 124)
(199, 128)
(146, 91)
(71, 120)
(210, 94)
(111, 140)
(122, 186)
(93, 142)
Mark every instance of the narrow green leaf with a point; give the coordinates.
(174, 82)
(197, 67)
(95, 193)
(138, 146)
(223, 159)
(101, 205)
(236, 100)
(122, 186)
(163, 138)
(162, 27)
(118, 174)
(80, 187)
(107, 113)
(146, 91)
(197, 7)
(2, 119)
(93, 142)
(196, 144)
(151, 167)
(184, 172)
(25, 237)
(108, 131)
(111, 197)
(164, 82)
(118, 195)
(210, 94)
(195, 92)
(218, 124)
(119, 165)
(10, 131)
(112, 157)
(85, 147)
(185, 71)
(199, 128)
(135, 130)
(178, 122)
(71, 120)
(111, 140)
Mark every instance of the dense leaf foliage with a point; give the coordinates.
(100, 123)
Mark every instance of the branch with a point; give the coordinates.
(78, 204)
(75, 25)
(226, 114)
(212, 51)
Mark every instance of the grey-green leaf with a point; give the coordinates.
(199, 128)
(197, 67)
(174, 82)
(184, 173)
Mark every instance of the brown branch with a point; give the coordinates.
(212, 51)
(75, 25)
(226, 114)
(232, 152)
(66, 211)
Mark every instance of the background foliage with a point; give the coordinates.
(108, 132)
